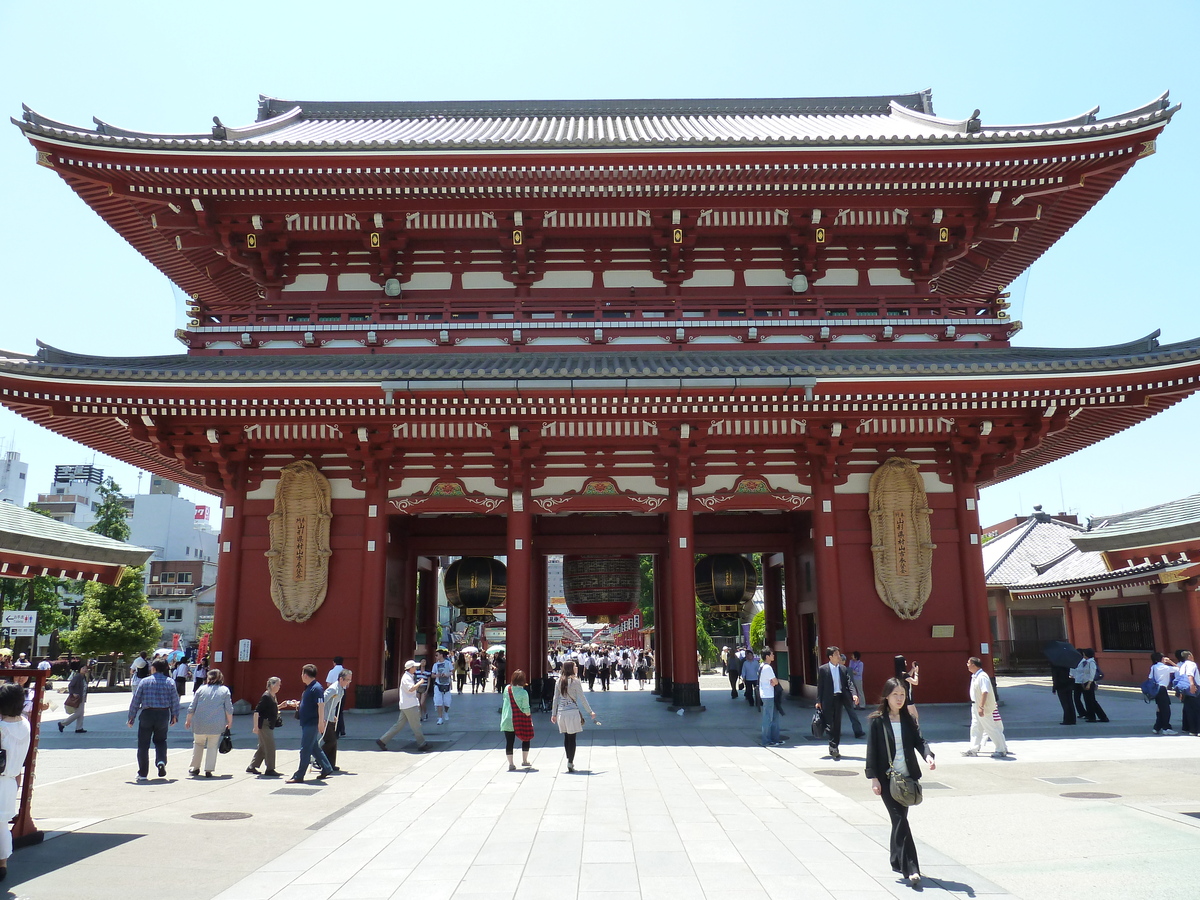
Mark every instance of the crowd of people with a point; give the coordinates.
(894, 741)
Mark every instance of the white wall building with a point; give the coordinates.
(168, 525)
(13, 474)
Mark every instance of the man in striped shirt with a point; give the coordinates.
(158, 702)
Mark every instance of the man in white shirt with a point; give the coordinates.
(1188, 680)
(331, 679)
(410, 710)
(768, 684)
(1162, 671)
(983, 712)
(443, 673)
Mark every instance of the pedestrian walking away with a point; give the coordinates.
(567, 711)
(14, 741)
(210, 714)
(77, 689)
(499, 668)
(515, 720)
(182, 674)
(1187, 682)
(311, 713)
(1060, 684)
(910, 677)
(768, 685)
(266, 720)
(856, 673)
(835, 692)
(335, 700)
(410, 709)
(985, 716)
(894, 743)
(155, 704)
(1162, 671)
(443, 683)
(330, 678)
(1085, 676)
(734, 666)
(200, 675)
(750, 673)
(139, 669)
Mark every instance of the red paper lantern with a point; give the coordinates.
(602, 588)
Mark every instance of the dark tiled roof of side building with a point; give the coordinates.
(1165, 523)
(1030, 549)
(27, 532)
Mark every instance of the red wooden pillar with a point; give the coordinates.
(1191, 592)
(407, 646)
(223, 652)
(662, 629)
(1158, 618)
(825, 556)
(772, 602)
(974, 586)
(537, 624)
(427, 594)
(797, 652)
(519, 550)
(685, 680)
(369, 675)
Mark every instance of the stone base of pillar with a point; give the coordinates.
(368, 696)
(795, 688)
(685, 695)
(658, 684)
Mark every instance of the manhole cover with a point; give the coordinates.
(298, 792)
(1067, 779)
(835, 773)
(934, 785)
(221, 816)
(1089, 795)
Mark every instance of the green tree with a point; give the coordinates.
(116, 619)
(758, 629)
(112, 519)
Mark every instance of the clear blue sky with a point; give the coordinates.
(1125, 271)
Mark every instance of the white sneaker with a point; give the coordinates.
(439, 721)
(1169, 731)
(447, 717)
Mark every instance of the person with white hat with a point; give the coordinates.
(410, 709)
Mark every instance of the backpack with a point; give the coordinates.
(1182, 683)
(1150, 689)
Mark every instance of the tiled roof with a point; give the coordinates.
(26, 532)
(905, 119)
(1178, 520)
(1024, 553)
(648, 369)
(1080, 576)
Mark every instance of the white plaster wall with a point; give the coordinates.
(860, 483)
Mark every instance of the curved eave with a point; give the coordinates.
(1134, 576)
(1102, 540)
(947, 139)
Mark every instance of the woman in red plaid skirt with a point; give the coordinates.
(515, 720)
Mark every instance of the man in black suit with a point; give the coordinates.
(835, 691)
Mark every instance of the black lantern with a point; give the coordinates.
(476, 585)
(725, 581)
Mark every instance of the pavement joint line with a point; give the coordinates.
(352, 805)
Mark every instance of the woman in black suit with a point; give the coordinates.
(892, 730)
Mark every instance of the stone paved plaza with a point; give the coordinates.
(662, 805)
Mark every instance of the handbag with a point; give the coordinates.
(226, 742)
(904, 789)
(818, 725)
(522, 721)
(73, 701)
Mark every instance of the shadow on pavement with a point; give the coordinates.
(40, 859)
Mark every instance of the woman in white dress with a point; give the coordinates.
(14, 740)
(567, 710)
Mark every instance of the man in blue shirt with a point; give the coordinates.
(158, 702)
(312, 727)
